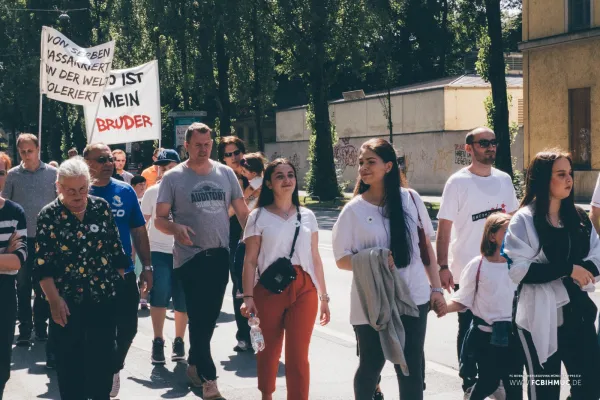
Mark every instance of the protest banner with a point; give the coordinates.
(73, 74)
(129, 109)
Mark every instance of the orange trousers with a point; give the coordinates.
(294, 312)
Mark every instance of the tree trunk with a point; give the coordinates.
(185, 89)
(223, 77)
(323, 164)
(257, 92)
(443, 39)
(497, 79)
(389, 113)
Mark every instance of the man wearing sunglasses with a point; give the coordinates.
(31, 184)
(469, 197)
(131, 224)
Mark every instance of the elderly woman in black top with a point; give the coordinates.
(80, 262)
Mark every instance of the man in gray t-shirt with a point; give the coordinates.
(200, 202)
(198, 194)
(31, 184)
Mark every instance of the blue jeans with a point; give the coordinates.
(166, 284)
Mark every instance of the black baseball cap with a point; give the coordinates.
(167, 156)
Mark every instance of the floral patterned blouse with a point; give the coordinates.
(81, 256)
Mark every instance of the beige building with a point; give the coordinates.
(561, 55)
(430, 121)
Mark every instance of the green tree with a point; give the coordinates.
(497, 78)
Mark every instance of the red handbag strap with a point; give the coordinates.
(415, 203)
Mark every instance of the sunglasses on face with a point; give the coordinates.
(233, 153)
(3, 172)
(485, 143)
(104, 159)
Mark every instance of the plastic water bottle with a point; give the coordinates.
(256, 336)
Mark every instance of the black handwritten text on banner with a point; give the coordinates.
(73, 74)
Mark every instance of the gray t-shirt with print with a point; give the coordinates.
(202, 203)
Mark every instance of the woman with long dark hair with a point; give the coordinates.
(276, 226)
(555, 255)
(230, 151)
(382, 214)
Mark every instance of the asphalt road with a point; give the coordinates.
(332, 355)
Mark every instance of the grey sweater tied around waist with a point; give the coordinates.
(384, 297)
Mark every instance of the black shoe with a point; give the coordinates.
(24, 339)
(377, 396)
(50, 361)
(242, 346)
(158, 351)
(41, 336)
(178, 350)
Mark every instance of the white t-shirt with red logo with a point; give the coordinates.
(467, 201)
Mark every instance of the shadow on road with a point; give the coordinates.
(326, 218)
(161, 378)
(33, 359)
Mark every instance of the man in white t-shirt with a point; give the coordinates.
(166, 284)
(469, 197)
(595, 217)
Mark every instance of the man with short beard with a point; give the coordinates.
(469, 197)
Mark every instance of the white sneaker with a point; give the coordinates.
(242, 346)
(468, 392)
(116, 386)
(499, 394)
(210, 391)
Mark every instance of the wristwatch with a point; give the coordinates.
(324, 297)
(147, 267)
(443, 267)
(437, 289)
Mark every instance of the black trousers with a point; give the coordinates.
(464, 323)
(128, 299)
(236, 259)
(578, 350)
(85, 351)
(204, 280)
(25, 283)
(497, 364)
(8, 316)
(372, 359)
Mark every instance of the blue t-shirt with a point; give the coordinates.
(125, 208)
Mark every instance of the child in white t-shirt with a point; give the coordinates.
(488, 291)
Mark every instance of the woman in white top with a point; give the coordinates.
(382, 214)
(555, 255)
(268, 235)
(252, 168)
(487, 290)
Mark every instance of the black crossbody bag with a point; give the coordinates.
(281, 273)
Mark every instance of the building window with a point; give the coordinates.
(580, 126)
(520, 118)
(579, 12)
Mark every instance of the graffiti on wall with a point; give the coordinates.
(345, 154)
(294, 159)
(443, 161)
(584, 146)
(461, 157)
